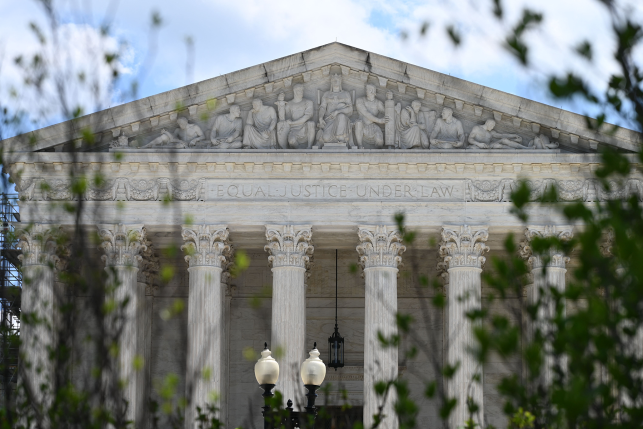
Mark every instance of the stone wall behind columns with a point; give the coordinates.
(250, 316)
(250, 327)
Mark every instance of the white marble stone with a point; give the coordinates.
(462, 248)
(38, 301)
(216, 181)
(122, 245)
(380, 251)
(208, 251)
(545, 277)
(290, 249)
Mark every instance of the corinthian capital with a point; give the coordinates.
(38, 243)
(380, 246)
(557, 258)
(122, 244)
(207, 245)
(463, 246)
(289, 245)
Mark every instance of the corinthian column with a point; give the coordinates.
(544, 277)
(379, 255)
(208, 251)
(122, 244)
(290, 248)
(462, 248)
(38, 306)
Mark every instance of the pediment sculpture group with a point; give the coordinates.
(291, 126)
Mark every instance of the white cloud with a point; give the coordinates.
(73, 73)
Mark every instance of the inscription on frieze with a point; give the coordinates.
(347, 189)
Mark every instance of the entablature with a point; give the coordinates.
(358, 176)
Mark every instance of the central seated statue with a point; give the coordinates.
(334, 112)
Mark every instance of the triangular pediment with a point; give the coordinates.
(142, 121)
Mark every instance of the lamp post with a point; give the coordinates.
(313, 372)
(336, 341)
(267, 374)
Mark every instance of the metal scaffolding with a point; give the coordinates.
(10, 291)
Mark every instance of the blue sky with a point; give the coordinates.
(232, 35)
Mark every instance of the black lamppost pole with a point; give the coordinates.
(336, 341)
(267, 394)
(267, 374)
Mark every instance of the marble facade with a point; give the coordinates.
(288, 161)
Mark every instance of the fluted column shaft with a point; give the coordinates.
(552, 275)
(379, 255)
(291, 249)
(122, 245)
(38, 305)
(462, 248)
(208, 251)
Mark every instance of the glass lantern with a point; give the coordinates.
(336, 350)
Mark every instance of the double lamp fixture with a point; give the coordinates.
(313, 372)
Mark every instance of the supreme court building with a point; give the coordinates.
(288, 161)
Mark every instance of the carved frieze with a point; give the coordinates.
(141, 190)
(105, 192)
(489, 190)
(464, 246)
(58, 190)
(338, 118)
(380, 246)
(289, 245)
(568, 190)
(123, 188)
(185, 190)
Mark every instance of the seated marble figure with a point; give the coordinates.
(259, 132)
(484, 137)
(186, 135)
(412, 125)
(227, 130)
(542, 142)
(366, 128)
(448, 132)
(294, 126)
(335, 109)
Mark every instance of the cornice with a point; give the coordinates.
(353, 156)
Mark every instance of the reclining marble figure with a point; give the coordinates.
(227, 130)
(412, 124)
(294, 126)
(335, 109)
(366, 128)
(259, 132)
(484, 137)
(186, 135)
(448, 132)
